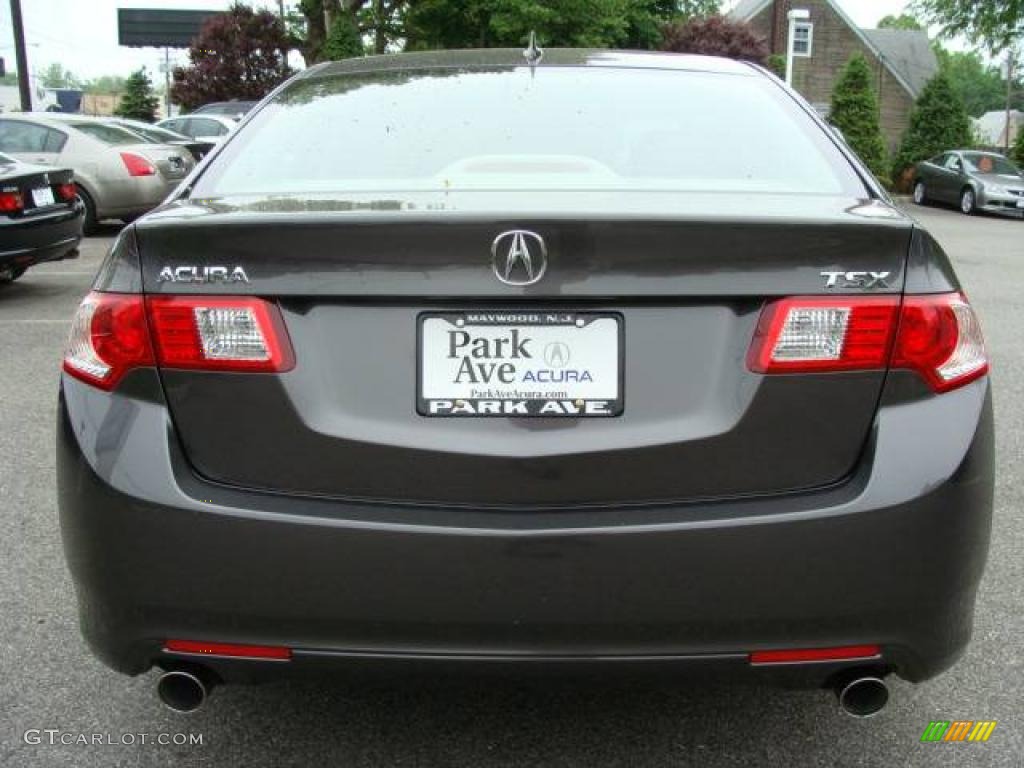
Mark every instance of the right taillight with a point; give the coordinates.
(137, 165)
(937, 336)
(940, 338)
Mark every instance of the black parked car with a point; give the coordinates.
(974, 181)
(591, 359)
(40, 216)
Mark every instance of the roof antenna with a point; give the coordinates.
(533, 53)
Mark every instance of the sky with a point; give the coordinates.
(82, 34)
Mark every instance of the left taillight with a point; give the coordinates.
(108, 338)
(112, 333)
(11, 202)
(243, 334)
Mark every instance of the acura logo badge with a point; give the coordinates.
(519, 257)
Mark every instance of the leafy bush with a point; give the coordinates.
(138, 102)
(855, 113)
(343, 41)
(1018, 147)
(715, 36)
(938, 123)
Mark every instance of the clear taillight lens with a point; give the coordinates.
(219, 333)
(938, 336)
(824, 334)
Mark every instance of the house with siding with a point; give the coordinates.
(902, 60)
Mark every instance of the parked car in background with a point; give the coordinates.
(40, 216)
(117, 174)
(235, 110)
(973, 181)
(157, 135)
(212, 128)
(644, 371)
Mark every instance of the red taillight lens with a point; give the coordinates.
(137, 165)
(108, 338)
(11, 202)
(219, 333)
(67, 191)
(824, 334)
(938, 336)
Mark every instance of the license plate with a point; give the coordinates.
(549, 364)
(42, 196)
(1020, 203)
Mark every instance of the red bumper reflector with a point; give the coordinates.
(796, 655)
(229, 649)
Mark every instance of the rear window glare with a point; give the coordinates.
(108, 134)
(556, 128)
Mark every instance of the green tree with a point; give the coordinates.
(496, 23)
(980, 86)
(343, 41)
(938, 123)
(138, 101)
(855, 112)
(997, 24)
(903, 21)
(55, 76)
(1018, 148)
(105, 84)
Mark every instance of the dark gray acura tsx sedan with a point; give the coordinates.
(574, 360)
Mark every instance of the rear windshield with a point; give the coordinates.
(108, 134)
(556, 128)
(980, 162)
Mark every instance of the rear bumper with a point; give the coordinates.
(34, 239)
(131, 196)
(893, 556)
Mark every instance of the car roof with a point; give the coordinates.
(510, 58)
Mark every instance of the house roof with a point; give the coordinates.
(907, 54)
(991, 127)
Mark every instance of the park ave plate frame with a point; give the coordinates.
(505, 321)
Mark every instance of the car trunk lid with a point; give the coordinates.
(355, 280)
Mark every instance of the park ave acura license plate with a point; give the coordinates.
(516, 363)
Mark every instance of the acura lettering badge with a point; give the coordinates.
(519, 257)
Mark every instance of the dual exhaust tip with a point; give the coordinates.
(185, 691)
(862, 695)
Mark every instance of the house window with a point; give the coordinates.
(803, 38)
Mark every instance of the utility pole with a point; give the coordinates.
(1010, 55)
(167, 81)
(24, 88)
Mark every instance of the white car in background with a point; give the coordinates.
(118, 175)
(201, 127)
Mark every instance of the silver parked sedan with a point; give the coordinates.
(973, 181)
(119, 176)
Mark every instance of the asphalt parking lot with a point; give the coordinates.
(48, 680)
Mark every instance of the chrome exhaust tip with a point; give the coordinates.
(182, 691)
(863, 696)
